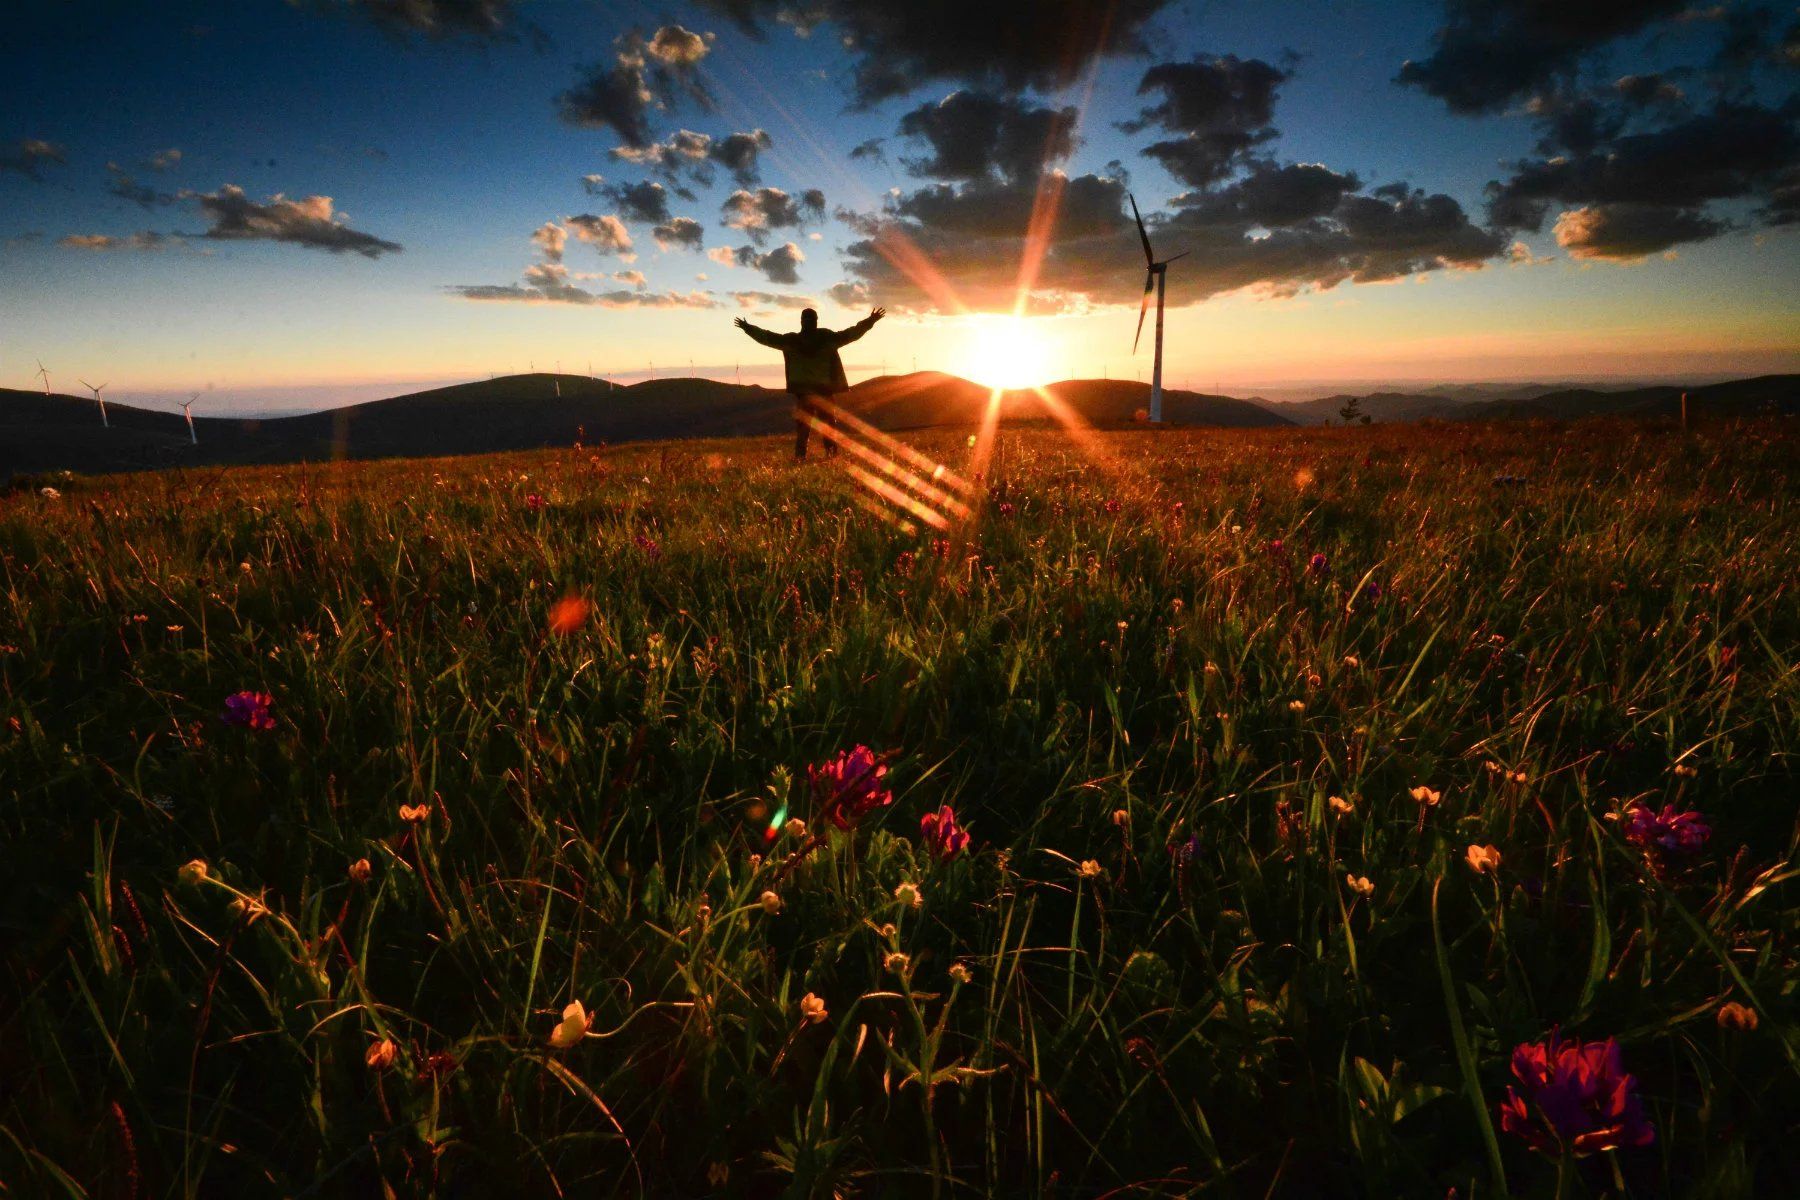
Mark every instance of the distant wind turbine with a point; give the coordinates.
(187, 410)
(1155, 277)
(44, 374)
(104, 423)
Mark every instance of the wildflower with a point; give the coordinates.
(1576, 1098)
(248, 909)
(1112, 507)
(1121, 818)
(1318, 564)
(571, 1029)
(897, 963)
(848, 788)
(812, 1009)
(1006, 509)
(249, 710)
(381, 1055)
(1341, 806)
(1090, 869)
(909, 895)
(1351, 661)
(795, 828)
(1682, 770)
(1668, 831)
(1737, 1017)
(1237, 529)
(193, 872)
(49, 493)
(1210, 670)
(1360, 884)
(718, 1174)
(360, 870)
(960, 973)
(1483, 859)
(942, 835)
(534, 502)
(569, 614)
(771, 903)
(1277, 546)
(1296, 706)
(1426, 796)
(412, 814)
(647, 544)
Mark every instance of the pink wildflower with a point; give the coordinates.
(1669, 831)
(1577, 1098)
(249, 710)
(942, 835)
(848, 788)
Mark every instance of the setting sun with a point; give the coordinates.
(1007, 352)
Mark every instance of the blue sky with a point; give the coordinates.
(455, 151)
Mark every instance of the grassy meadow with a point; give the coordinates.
(1223, 712)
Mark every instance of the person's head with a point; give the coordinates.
(809, 319)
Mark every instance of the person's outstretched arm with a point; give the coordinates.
(861, 327)
(765, 336)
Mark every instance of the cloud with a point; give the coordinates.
(140, 194)
(1629, 232)
(606, 234)
(30, 156)
(439, 20)
(634, 278)
(147, 241)
(308, 222)
(780, 265)
(685, 154)
(1010, 44)
(1492, 52)
(772, 300)
(1280, 231)
(1220, 110)
(550, 239)
(739, 154)
(681, 233)
(723, 255)
(643, 75)
(870, 150)
(975, 135)
(756, 213)
(548, 283)
(640, 203)
(164, 160)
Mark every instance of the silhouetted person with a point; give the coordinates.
(814, 370)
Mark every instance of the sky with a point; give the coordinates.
(285, 205)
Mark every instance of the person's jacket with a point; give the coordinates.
(811, 356)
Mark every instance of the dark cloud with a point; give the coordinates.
(1280, 230)
(641, 203)
(643, 75)
(308, 222)
(690, 155)
(1490, 53)
(440, 20)
(756, 213)
(1730, 152)
(606, 234)
(1645, 90)
(147, 241)
(870, 150)
(1219, 109)
(1012, 44)
(771, 300)
(780, 265)
(974, 135)
(1628, 232)
(141, 194)
(548, 283)
(30, 156)
(681, 233)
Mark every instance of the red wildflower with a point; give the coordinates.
(942, 835)
(1577, 1098)
(249, 710)
(848, 788)
(1668, 831)
(534, 502)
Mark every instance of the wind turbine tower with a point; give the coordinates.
(44, 374)
(104, 423)
(1155, 277)
(187, 410)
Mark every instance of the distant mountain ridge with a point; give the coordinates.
(46, 433)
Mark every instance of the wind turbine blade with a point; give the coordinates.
(1149, 255)
(1183, 254)
(84, 383)
(1149, 282)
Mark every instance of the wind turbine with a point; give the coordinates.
(1155, 277)
(187, 410)
(44, 374)
(104, 423)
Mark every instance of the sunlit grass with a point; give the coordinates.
(1289, 762)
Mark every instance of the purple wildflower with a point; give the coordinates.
(1318, 564)
(1668, 831)
(249, 710)
(942, 835)
(1577, 1098)
(848, 788)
